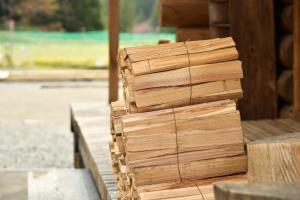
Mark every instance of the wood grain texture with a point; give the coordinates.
(67, 184)
(90, 122)
(185, 13)
(275, 159)
(13, 185)
(250, 191)
(113, 49)
(191, 34)
(256, 45)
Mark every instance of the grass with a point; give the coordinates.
(65, 50)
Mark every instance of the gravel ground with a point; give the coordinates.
(35, 122)
(33, 145)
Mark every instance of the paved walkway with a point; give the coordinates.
(35, 122)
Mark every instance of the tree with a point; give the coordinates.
(80, 15)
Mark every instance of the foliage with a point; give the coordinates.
(80, 15)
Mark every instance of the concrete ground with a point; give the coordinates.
(35, 122)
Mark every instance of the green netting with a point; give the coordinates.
(32, 37)
(54, 49)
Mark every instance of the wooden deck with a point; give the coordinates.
(90, 124)
(67, 184)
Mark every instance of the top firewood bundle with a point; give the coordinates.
(179, 74)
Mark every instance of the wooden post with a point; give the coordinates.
(113, 49)
(253, 29)
(296, 67)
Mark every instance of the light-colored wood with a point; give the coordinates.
(196, 189)
(179, 74)
(113, 49)
(251, 191)
(191, 34)
(183, 13)
(274, 159)
(13, 185)
(67, 184)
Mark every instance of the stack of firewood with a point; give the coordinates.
(192, 129)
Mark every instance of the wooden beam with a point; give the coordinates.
(250, 191)
(296, 67)
(253, 29)
(113, 49)
(274, 159)
(185, 13)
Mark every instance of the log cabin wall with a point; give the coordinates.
(263, 32)
(189, 17)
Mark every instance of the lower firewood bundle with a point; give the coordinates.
(176, 145)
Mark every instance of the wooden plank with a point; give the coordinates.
(61, 184)
(256, 45)
(296, 67)
(274, 159)
(13, 185)
(259, 129)
(113, 49)
(67, 184)
(250, 191)
(90, 123)
(190, 34)
(184, 13)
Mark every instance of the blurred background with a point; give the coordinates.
(39, 34)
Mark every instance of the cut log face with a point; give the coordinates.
(286, 51)
(285, 86)
(251, 191)
(275, 159)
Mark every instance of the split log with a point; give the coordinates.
(179, 74)
(275, 159)
(252, 191)
(286, 50)
(285, 86)
(186, 13)
(191, 34)
(287, 19)
(195, 189)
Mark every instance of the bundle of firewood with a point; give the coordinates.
(179, 74)
(201, 139)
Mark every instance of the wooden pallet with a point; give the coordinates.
(90, 124)
(67, 184)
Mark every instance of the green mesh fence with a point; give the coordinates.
(64, 50)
